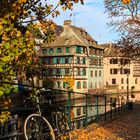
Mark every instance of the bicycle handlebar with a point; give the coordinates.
(47, 93)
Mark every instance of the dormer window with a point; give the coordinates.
(67, 49)
(59, 50)
(79, 49)
(44, 51)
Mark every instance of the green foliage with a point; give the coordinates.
(18, 30)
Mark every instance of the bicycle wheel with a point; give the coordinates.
(62, 126)
(38, 128)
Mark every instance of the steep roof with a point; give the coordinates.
(111, 50)
(64, 41)
(72, 35)
(85, 36)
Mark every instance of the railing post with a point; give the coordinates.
(105, 108)
(86, 110)
(115, 107)
(118, 106)
(111, 108)
(69, 108)
(97, 106)
(121, 106)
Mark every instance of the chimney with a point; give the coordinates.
(67, 22)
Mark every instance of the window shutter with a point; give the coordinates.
(67, 49)
(84, 60)
(56, 50)
(77, 49)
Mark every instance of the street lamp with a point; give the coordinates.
(127, 85)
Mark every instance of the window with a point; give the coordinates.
(114, 61)
(43, 61)
(98, 52)
(78, 60)
(78, 49)
(84, 60)
(78, 85)
(65, 84)
(124, 61)
(84, 110)
(66, 60)
(58, 60)
(95, 73)
(84, 50)
(44, 51)
(58, 84)
(79, 124)
(84, 72)
(58, 71)
(126, 71)
(78, 111)
(100, 62)
(96, 62)
(95, 52)
(136, 81)
(127, 80)
(84, 84)
(78, 71)
(106, 82)
(114, 81)
(101, 53)
(67, 71)
(50, 72)
(54, 71)
(67, 49)
(122, 81)
(113, 71)
(100, 74)
(59, 50)
(51, 50)
(50, 61)
(54, 60)
(91, 73)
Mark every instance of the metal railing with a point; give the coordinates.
(81, 109)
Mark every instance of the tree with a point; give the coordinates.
(125, 17)
(21, 21)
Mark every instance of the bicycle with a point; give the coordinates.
(37, 127)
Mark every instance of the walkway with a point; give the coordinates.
(125, 128)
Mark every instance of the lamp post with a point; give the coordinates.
(127, 86)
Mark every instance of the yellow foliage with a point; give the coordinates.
(4, 116)
(126, 1)
(70, 81)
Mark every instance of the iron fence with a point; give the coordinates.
(81, 110)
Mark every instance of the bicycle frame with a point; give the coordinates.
(38, 106)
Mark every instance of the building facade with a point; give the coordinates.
(74, 53)
(120, 73)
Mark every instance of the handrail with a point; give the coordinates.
(102, 108)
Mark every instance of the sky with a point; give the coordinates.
(92, 18)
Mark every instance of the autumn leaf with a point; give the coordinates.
(125, 1)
